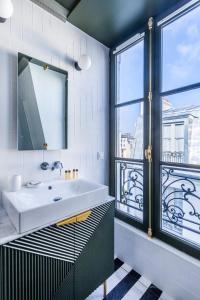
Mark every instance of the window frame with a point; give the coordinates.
(113, 126)
(175, 241)
(179, 244)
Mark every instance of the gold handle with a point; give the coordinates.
(148, 153)
(78, 218)
(66, 221)
(83, 216)
(45, 146)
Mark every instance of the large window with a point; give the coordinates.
(168, 201)
(129, 117)
(180, 142)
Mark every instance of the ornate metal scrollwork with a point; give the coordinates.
(180, 195)
(180, 198)
(131, 185)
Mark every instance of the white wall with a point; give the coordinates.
(35, 32)
(173, 271)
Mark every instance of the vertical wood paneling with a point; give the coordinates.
(35, 32)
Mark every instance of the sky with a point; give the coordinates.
(180, 67)
(131, 73)
(181, 51)
(127, 116)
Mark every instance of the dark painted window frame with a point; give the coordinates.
(156, 123)
(113, 107)
(176, 242)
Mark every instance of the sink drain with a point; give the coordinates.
(57, 199)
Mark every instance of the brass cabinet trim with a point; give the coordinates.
(77, 218)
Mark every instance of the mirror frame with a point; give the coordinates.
(53, 68)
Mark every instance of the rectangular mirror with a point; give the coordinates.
(42, 105)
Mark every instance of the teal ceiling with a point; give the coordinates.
(68, 4)
(112, 21)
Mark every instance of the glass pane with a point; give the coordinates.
(130, 131)
(130, 189)
(130, 65)
(181, 203)
(181, 51)
(181, 127)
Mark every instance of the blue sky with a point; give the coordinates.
(181, 67)
(131, 85)
(131, 73)
(181, 57)
(128, 115)
(181, 51)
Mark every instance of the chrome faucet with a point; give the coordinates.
(57, 165)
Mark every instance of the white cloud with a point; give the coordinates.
(193, 31)
(189, 52)
(177, 71)
(184, 49)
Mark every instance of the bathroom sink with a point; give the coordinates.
(50, 202)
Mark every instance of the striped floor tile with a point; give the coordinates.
(127, 284)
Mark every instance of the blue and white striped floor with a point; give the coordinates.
(126, 284)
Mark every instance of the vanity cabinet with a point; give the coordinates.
(66, 262)
(96, 263)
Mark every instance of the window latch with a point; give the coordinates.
(148, 153)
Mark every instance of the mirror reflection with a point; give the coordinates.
(42, 105)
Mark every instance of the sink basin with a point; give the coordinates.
(29, 209)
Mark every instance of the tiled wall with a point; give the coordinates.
(35, 32)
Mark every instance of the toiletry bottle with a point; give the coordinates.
(16, 183)
(66, 174)
(76, 174)
(70, 174)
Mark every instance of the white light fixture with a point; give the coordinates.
(6, 10)
(84, 63)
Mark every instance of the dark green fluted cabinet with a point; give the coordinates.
(54, 263)
(96, 262)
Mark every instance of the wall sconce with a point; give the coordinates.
(83, 63)
(6, 10)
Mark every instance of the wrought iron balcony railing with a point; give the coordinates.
(180, 196)
(176, 157)
(130, 188)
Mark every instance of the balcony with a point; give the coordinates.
(175, 157)
(180, 201)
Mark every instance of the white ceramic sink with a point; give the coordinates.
(29, 209)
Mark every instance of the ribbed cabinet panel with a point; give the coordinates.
(26, 276)
(43, 264)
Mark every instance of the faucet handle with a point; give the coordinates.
(44, 166)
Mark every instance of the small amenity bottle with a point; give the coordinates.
(70, 174)
(66, 174)
(74, 174)
(16, 183)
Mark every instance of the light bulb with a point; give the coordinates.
(84, 63)
(6, 9)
